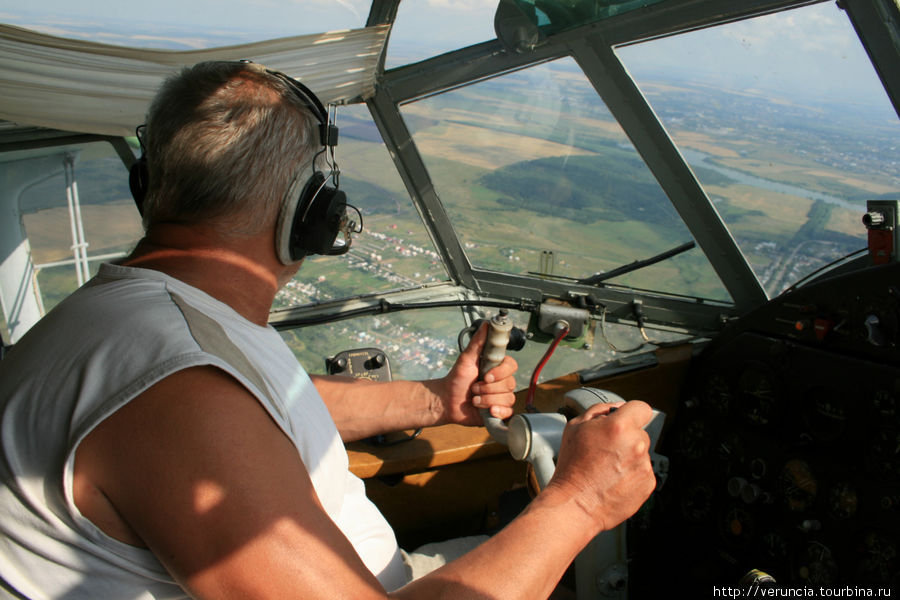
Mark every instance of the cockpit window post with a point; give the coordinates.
(650, 139)
(415, 176)
(877, 22)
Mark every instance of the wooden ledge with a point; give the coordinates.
(450, 444)
(435, 447)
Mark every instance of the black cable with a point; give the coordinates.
(386, 307)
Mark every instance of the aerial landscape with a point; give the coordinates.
(537, 151)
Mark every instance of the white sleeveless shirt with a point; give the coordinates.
(112, 339)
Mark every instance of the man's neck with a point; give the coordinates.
(242, 272)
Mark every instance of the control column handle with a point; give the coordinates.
(493, 353)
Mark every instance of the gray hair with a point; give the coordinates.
(223, 142)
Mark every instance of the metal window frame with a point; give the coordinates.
(593, 47)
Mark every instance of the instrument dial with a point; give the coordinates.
(738, 525)
(694, 440)
(757, 394)
(879, 559)
(826, 413)
(842, 501)
(798, 485)
(884, 454)
(885, 404)
(816, 565)
(776, 546)
(717, 396)
(697, 502)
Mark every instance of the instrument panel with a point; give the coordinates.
(785, 450)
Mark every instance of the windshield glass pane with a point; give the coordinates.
(418, 344)
(426, 28)
(787, 127)
(393, 251)
(539, 178)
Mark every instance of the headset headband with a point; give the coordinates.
(328, 133)
(313, 213)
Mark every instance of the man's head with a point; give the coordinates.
(224, 142)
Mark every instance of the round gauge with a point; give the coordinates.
(696, 502)
(826, 413)
(815, 565)
(757, 395)
(694, 440)
(738, 525)
(798, 485)
(885, 404)
(842, 501)
(717, 396)
(884, 454)
(730, 448)
(758, 468)
(775, 545)
(879, 560)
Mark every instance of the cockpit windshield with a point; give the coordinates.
(789, 141)
(540, 179)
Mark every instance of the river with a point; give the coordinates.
(701, 159)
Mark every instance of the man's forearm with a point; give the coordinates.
(524, 560)
(364, 408)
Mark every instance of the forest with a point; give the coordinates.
(585, 189)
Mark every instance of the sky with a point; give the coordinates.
(260, 19)
(812, 48)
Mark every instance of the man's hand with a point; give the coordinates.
(461, 394)
(604, 462)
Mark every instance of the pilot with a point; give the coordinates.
(161, 441)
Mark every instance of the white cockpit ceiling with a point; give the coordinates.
(89, 87)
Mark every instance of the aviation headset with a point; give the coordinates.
(313, 213)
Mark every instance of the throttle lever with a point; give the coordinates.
(493, 353)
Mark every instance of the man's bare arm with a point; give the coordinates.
(602, 478)
(363, 408)
(206, 480)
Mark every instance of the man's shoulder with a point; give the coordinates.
(124, 305)
(116, 318)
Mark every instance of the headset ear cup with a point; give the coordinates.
(138, 178)
(318, 220)
(310, 220)
(322, 224)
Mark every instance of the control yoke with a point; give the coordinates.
(601, 569)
